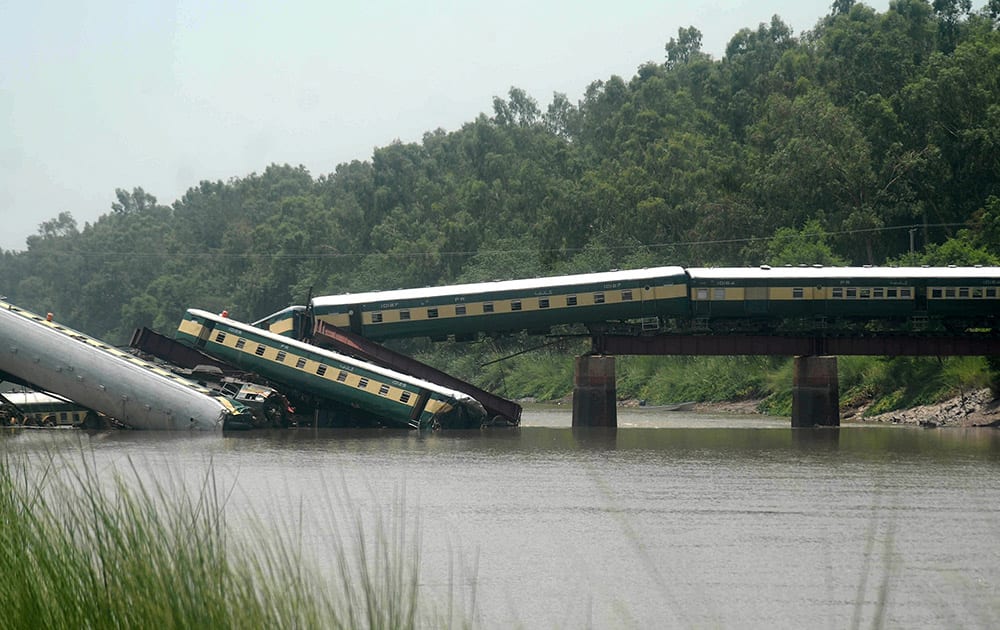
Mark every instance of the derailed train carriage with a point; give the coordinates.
(43, 354)
(670, 299)
(378, 395)
(38, 409)
(462, 311)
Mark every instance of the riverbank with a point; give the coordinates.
(973, 409)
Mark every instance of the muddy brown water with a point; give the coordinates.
(672, 520)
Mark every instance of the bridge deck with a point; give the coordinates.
(779, 345)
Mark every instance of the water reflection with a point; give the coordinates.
(862, 441)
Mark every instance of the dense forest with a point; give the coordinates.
(873, 138)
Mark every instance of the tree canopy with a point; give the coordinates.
(836, 145)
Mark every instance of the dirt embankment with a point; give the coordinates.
(977, 408)
(972, 409)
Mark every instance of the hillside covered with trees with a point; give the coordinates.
(874, 138)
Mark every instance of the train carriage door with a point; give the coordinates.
(755, 300)
(650, 316)
(700, 299)
(206, 330)
(355, 319)
(418, 408)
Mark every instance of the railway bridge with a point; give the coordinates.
(921, 311)
(815, 397)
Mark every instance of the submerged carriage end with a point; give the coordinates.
(461, 412)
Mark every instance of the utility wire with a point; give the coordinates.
(453, 253)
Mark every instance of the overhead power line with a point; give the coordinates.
(258, 255)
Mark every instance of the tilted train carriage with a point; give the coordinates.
(533, 304)
(44, 354)
(384, 396)
(292, 321)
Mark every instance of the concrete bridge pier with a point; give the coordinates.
(815, 392)
(595, 402)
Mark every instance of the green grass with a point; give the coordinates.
(896, 383)
(882, 384)
(659, 380)
(79, 551)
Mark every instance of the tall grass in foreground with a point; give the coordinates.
(78, 551)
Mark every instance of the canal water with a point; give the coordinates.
(672, 520)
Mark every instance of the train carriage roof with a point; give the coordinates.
(842, 273)
(527, 284)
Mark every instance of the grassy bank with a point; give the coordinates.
(78, 551)
(546, 374)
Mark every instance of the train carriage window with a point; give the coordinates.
(280, 358)
(515, 305)
(543, 302)
(432, 313)
(259, 351)
(890, 293)
(341, 376)
(991, 292)
(300, 363)
(220, 338)
(487, 307)
(719, 294)
(878, 293)
(949, 292)
(936, 293)
(977, 293)
(240, 343)
(460, 309)
(865, 294)
(798, 293)
(905, 293)
(404, 316)
(383, 390)
(702, 294)
(627, 295)
(376, 318)
(838, 292)
(404, 397)
(570, 300)
(363, 383)
(320, 370)
(598, 298)
(963, 292)
(852, 293)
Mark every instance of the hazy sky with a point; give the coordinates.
(117, 93)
